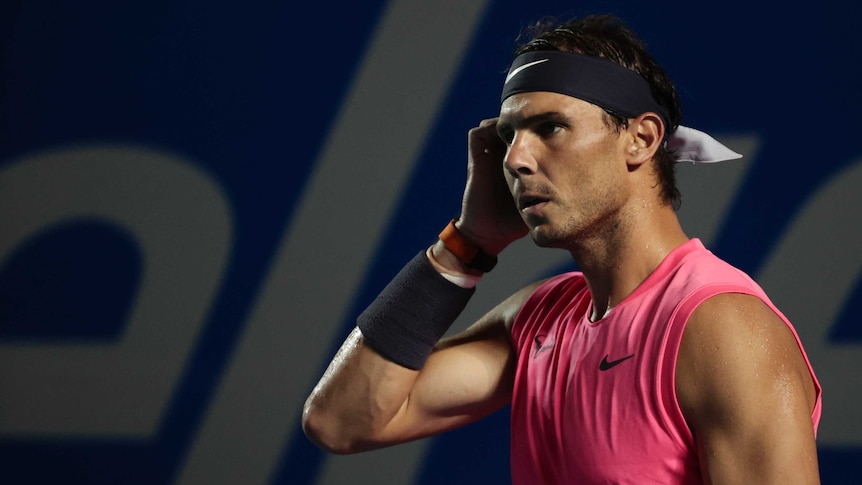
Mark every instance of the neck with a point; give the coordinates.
(617, 262)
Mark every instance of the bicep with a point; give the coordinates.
(747, 394)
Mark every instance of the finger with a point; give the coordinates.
(486, 134)
(488, 122)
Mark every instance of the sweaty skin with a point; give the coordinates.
(551, 166)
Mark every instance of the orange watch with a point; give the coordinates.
(467, 251)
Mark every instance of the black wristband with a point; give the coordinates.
(412, 313)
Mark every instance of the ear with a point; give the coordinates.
(646, 134)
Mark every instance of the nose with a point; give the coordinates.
(519, 158)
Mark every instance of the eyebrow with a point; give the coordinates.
(516, 121)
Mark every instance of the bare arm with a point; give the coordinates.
(364, 401)
(747, 395)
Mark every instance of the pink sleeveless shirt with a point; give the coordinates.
(594, 402)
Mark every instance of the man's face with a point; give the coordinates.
(565, 166)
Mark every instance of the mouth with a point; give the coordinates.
(527, 201)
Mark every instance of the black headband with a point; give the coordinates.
(598, 81)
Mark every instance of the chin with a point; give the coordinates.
(544, 239)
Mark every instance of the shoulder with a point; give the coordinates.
(557, 286)
(734, 324)
(528, 296)
(737, 331)
(500, 319)
(747, 393)
(735, 350)
(552, 295)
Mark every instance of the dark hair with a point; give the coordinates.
(608, 37)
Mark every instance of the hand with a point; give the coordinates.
(488, 213)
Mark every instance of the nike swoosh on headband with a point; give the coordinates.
(521, 68)
(613, 87)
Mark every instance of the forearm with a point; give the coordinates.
(358, 396)
(368, 382)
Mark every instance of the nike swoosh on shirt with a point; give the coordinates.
(542, 344)
(605, 365)
(521, 68)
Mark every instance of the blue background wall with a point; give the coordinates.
(197, 198)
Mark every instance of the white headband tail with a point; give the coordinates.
(698, 147)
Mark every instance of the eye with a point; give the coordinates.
(547, 129)
(505, 134)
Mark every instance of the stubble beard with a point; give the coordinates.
(580, 229)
